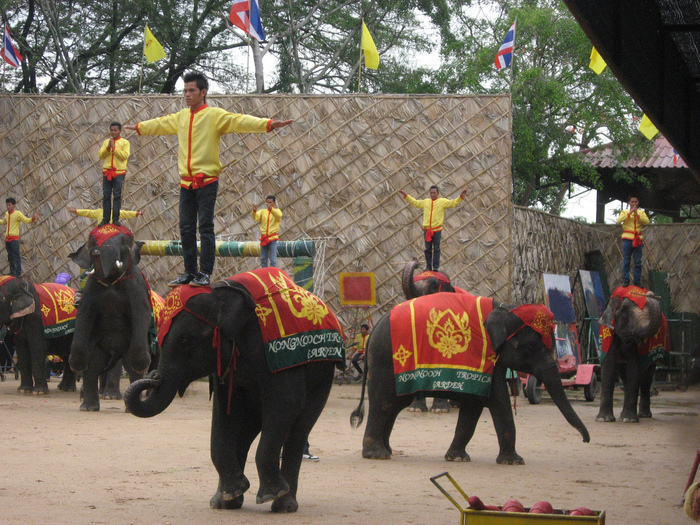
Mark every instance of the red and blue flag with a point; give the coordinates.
(245, 15)
(504, 57)
(8, 51)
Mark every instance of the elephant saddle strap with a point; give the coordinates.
(439, 343)
(57, 304)
(297, 327)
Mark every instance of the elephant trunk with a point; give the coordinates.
(409, 286)
(161, 394)
(552, 381)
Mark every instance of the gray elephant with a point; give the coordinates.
(114, 315)
(270, 351)
(632, 343)
(424, 283)
(448, 325)
(41, 316)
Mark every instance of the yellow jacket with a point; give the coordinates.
(433, 210)
(199, 135)
(629, 225)
(117, 158)
(269, 222)
(12, 220)
(97, 214)
(361, 343)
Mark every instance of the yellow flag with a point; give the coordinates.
(647, 128)
(151, 47)
(367, 45)
(597, 63)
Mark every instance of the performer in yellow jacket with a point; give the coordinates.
(269, 219)
(433, 218)
(99, 214)
(115, 153)
(199, 129)
(12, 219)
(633, 222)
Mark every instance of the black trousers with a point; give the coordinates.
(197, 207)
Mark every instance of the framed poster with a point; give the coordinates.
(558, 298)
(595, 301)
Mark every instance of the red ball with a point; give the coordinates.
(513, 505)
(492, 507)
(581, 511)
(542, 507)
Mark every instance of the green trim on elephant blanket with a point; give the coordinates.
(444, 379)
(320, 345)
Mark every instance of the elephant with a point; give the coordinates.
(627, 326)
(21, 312)
(249, 399)
(425, 283)
(518, 345)
(114, 314)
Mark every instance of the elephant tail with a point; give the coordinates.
(358, 415)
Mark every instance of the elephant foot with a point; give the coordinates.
(40, 390)
(509, 459)
(89, 407)
(226, 500)
(272, 491)
(605, 418)
(418, 405)
(285, 504)
(629, 419)
(644, 413)
(111, 395)
(375, 451)
(457, 455)
(67, 386)
(440, 406)
(24, 389)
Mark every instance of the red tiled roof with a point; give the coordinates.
(661, 157)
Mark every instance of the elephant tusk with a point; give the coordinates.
(119, 264)
(90, 272)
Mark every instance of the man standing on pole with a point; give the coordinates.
(199, 129)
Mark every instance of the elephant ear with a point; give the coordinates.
(608, 317)
(232, 316)
(81, 257)
(501, 324)
(136, 252)
(21, 303)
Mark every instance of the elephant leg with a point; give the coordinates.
(91, 399)
(608, 376)
(631, 382)
(419, 404)
(380, 423)
(38, 352)
(440, 406)
(231, 437)
(24, 365)
(295, 443)
(645, 391)
(67, 383)
(502, 416)
(109, 382)
(469, 414)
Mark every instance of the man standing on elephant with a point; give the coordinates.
(12, 219)
(269, 219)
(433, 218)
(633, 222)
(115, 153)
(199, 129)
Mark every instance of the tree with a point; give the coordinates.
(559, 104)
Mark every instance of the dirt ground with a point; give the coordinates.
(60, 465)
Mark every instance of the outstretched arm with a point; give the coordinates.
(276, 124)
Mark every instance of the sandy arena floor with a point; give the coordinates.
(60, 465)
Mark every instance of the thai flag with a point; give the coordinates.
(245, 15)
(8, 51)
(505, 54)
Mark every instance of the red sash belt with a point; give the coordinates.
(110, 174)
(197, 181)
(267, 239)
(637, 241)
(11, 238)
(429, 232)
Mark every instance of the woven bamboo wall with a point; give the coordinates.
(545, 243)
(335, 171)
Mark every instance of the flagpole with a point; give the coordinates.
(359, 73)
(143, 57)
(247, 65)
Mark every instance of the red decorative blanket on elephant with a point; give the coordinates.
(439, 276)
(103, 233)
(650, 350)
(57, 309)
(439, 343)
(297, 327)
(157, 307)
(175, 302)
(636, 294)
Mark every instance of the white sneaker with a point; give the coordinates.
(310, 457)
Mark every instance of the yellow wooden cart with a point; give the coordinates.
(491, 517)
